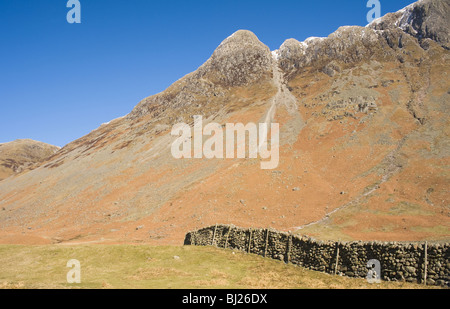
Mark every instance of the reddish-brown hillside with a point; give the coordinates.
(364, 146)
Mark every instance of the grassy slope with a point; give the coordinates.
(128, 266)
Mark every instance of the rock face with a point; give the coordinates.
(363, 117)
(380, 40)
(423, 19)
(21, 154)
(239, 60)
(349, 44)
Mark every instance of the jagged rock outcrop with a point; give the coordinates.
(289, 50)
(240, 59)
(349, 44)
(423, 19)
(381, 40)
(341, 108)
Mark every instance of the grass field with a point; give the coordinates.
(165, 267)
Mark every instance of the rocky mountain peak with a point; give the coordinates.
(347, 44)
(422, 19)
(240, 59)
(382, 39)
(239, 40)
(291, 46)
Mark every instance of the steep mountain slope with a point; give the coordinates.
(22, 154)
(364, 150)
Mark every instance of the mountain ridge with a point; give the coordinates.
(363, 133)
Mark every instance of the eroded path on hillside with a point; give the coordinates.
(286, 100)
(282, 97)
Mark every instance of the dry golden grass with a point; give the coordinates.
(140, 266)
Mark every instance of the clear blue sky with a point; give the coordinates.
(59, 81)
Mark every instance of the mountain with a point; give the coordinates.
(23, 154)
(422, 20)
(364, 146)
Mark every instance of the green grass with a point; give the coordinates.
(405, 208)
(141, 266)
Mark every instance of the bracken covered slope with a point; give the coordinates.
(364, 146)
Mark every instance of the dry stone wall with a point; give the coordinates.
(398, 261)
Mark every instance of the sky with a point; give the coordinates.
(60, 81)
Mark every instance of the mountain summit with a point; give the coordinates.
(425, 19)
(364, 149)
(240, 59)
